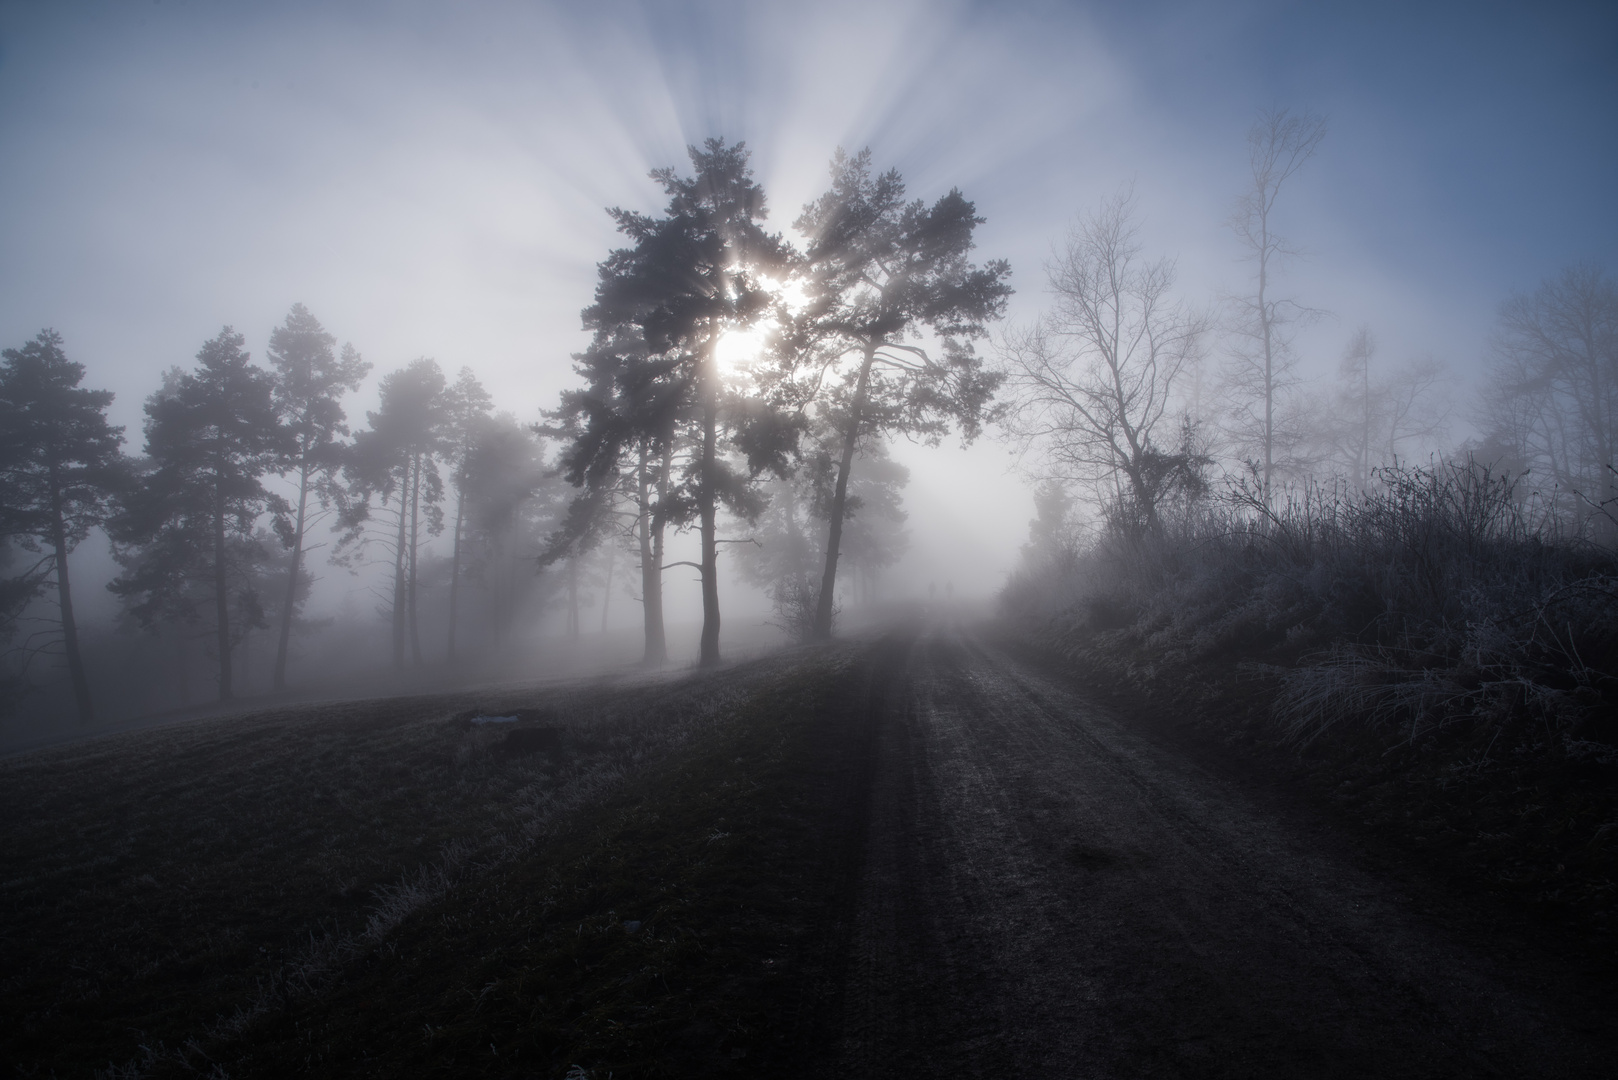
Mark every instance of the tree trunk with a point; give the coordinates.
(651, 574)
(244, 670)
(399, 573)
(1269, 352)
(1145, 500)
(415, 535)
(651, 563)
(839, 502)
(573, 598)
(183, 666)
(1365, 441)
(709, 654)
(279, 682)
(455, 570)
(64, 595)
(221, 588)
(510, 601)
(795, 540)
(1599, 425)
(606, 590)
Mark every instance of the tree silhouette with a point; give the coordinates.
(60, 467)
(211, 435)
(1093, 383)
(1552, 397)
(511, 502)
(791, 532)
(619, 433)
(310, 380)
(396, 460)
(1260, 372)
(691, 276)
(1371, 418)
(466, 410)
(879, 271)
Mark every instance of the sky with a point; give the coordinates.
(430, 179)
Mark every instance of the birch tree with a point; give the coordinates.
(1261, 372)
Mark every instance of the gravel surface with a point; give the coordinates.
(1045, 891)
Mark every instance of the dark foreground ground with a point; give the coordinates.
(923, 854)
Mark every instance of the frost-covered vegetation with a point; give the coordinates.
(1246, 526)
(1437, 599)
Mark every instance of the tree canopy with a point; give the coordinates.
(211, 436)
(61, 465)
(310, 381)
(879, 273)
(705, 268)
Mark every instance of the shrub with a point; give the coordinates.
(1437, 597)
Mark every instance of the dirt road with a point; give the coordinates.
(1043, 890)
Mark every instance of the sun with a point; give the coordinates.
(740, 348)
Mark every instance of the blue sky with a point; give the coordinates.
(430, 179)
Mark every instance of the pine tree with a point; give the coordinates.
(396, 460)
(880, 271)
(310, 381)
(211, 436)
(466, 410)
(700, 271)
(511, 502)
(619, 434)
(60, 468)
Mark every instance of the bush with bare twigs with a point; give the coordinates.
(1437, 598)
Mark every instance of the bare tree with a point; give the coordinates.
(1417, 416)
(1373, 419)
(1091, 386)
(1357, 411)
(1553, 394)
(1261, 371)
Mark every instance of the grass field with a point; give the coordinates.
(626, 882)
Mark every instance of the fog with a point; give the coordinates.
(432, 182)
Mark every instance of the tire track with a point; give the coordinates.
(1045, 892)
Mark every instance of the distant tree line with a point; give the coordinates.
(208, 553)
